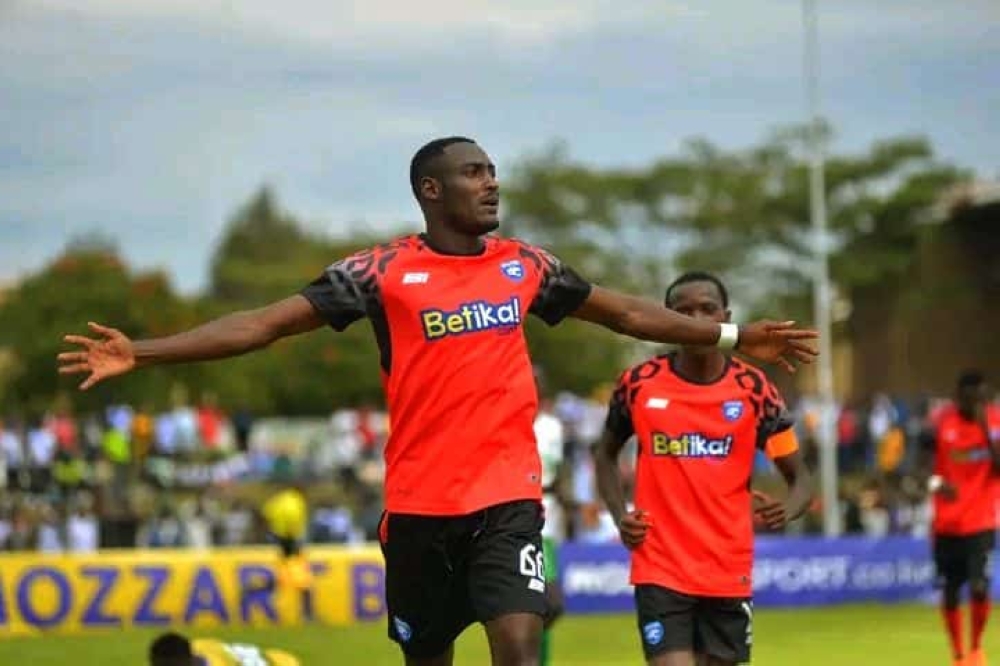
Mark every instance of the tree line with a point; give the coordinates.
(743, 213)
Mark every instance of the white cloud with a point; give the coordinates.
(155, 119)
(401, 24)
(343, 24)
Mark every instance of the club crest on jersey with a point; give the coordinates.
(403, 630)
(513, 269)
(652, 633)
(471, 318)
(690, 445)
(732, 409)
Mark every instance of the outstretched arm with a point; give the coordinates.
(770, 341)
(645, 319)
(113, 353)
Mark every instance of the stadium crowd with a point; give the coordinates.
(196, 476)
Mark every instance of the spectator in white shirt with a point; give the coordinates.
(82, 531)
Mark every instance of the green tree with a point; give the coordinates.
(87, 283)
(266, 255)
(742, 213)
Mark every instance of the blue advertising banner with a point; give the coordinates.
(789, 571)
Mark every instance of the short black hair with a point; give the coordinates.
(171, 649)
(423, 157)
(971, 379)
(697, 276)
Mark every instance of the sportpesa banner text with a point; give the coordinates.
(177, 588)
(788, 571)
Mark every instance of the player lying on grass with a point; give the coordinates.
(173, 649)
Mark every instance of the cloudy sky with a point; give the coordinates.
(154, 119)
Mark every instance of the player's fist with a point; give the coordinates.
(777, 342)
(768, 512)
(937, 485)
(633, 527)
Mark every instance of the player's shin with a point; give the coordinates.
(952, 616)
(980, 612)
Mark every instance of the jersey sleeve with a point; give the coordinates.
(619, 419)
(561, 290)
(342, 293)
(210, 652)
(939, 451)
(775, 434)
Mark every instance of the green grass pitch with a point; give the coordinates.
(856, 635)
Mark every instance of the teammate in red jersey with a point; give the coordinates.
(964, 484)
(461, 532)
(699, 416)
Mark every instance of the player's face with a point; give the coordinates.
(971, 399)
(700, 300)
(470, 194)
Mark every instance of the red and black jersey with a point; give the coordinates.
(696, 449)
(456, 372)
(962, 457)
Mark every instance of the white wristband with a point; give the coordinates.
(935, 483)
(729, 335)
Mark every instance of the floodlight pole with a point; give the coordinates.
(822, 292)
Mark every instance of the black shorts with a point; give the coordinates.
(669, 621)
(445, 572)
(963, 559)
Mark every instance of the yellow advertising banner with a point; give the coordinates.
(177, 588)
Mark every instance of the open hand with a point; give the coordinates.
(104, 357)
(777, 342)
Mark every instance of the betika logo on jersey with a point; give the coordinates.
(977, 454)
(691, 445)
(471, 318)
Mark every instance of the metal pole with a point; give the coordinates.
(827, 434)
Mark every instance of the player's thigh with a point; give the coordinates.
(506, 571)
(514, 638)
(666, 621)
(724, 630)
(951, 561)
(426, 596)
(979, 560)
(446, 658)
(674, 658)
